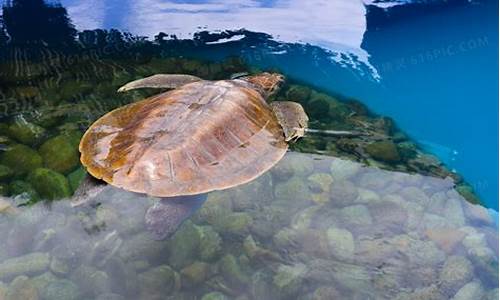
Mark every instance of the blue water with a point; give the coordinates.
(436, 64)
(431, 67)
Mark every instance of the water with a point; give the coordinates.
(373, 234)
(368, 215)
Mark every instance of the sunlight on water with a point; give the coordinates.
(314, 227)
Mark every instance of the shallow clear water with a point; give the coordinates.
(372, 234)
(367, 215)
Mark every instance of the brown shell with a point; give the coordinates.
(200, 137)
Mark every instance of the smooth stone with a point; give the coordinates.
(341, 242)
(356, 215)
(453, 212)
(326, 293)
(304, 219)
(416, 195)
(141, 246)
(343, 193)
(446, 239)
(293, 164)
(456, 272)
(21, 288)
(58, 267)
(110, 296)
(472, 290)
(214, 296)
(372, 180)
(91, 281)
(367, 196)
(389, 215)
(41, 281)
(30, 264)
(61, 289)
(293, 189)
(341, 169)
(319, 184)
(426, 293)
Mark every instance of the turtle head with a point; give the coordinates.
(266, 83)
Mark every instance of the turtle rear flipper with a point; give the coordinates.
(292, 118)
(165, 216)
(88, 190)
(165, 81)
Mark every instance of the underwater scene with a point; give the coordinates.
(272, 159)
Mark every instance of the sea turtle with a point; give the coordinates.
(198, 137)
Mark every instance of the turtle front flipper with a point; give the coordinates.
(292, 118)
(164, 81)
(165, 216)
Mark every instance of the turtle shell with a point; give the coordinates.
(200, 137)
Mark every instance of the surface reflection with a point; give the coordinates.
(314, 227)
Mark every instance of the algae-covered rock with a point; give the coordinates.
(21, 288)
(20, 158)
(49, 184)
(25, 132)
(5, 172)
(59, 154)
(4, 189)
(298, 93)
(288, 280)
(210, 244)
(160, 281)
(214, 296)
(30, 264)
(76, 177)
(194, 274)
(61, 289)
(184, 245)
(23, 189)
(232, 272)
(234, 223)
(384, 151)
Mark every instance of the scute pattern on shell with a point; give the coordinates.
(200, 137)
